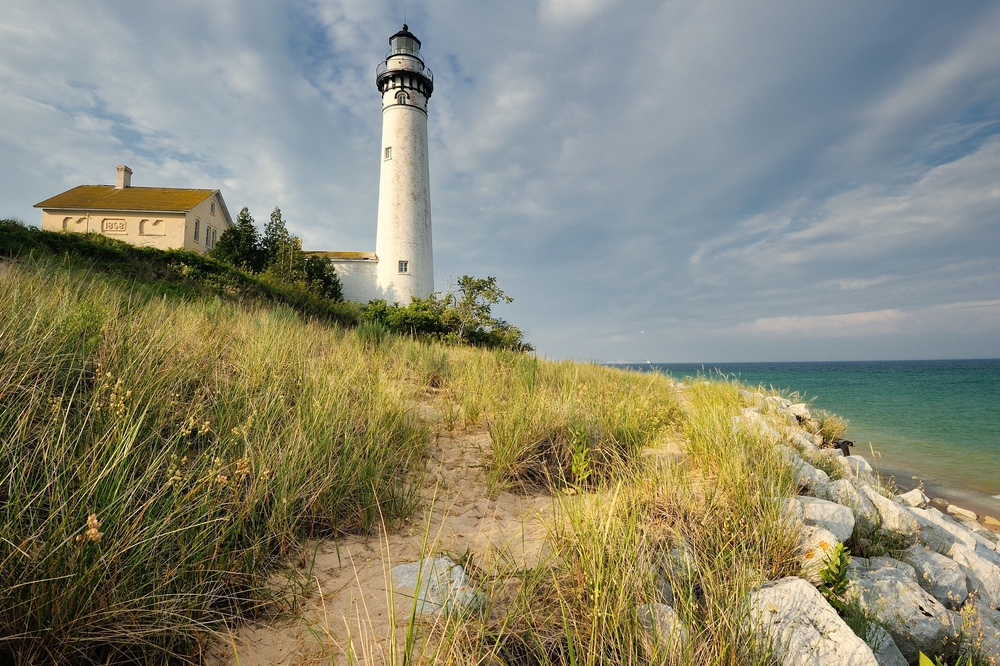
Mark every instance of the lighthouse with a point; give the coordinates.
(403, 236)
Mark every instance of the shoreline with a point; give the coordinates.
(973, 500)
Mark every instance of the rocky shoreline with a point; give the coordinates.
(941, 589)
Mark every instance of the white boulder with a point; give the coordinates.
(834, 517)
(913, 498)
(866, 515)
(438, 586)
(938, 532)
(892, 516)
(803, 629)
(959, 512)
(982, 567)
(663, 628)
(881, 643)
(942, 576)
(800, 410)
(889, 590)
(817, 544)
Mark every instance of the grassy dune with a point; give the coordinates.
(162, 457)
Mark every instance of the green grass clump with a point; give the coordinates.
(177, 273)
(160, 456)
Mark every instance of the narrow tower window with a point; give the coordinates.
(388, 152)
(404, 266)
(401, 97)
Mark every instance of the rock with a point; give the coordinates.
(663, 628)
(889, 590)
(881, 643)
(804, 443)
(959, 512)
(938, 533)
(892, 517)
(941, 503)
(913, 498)
(757, 423)
(439, 585)
(991, 522)
(942, 576)
(817, 544)
(859, 465)
(808, 478)
(793, 513)
(982, 535)
(800, 410)
(982, 568)
(678, 568)
(831, 516)
(779, 402)
(865, 514)
(803, 629)
(987, 631)
(830, 453)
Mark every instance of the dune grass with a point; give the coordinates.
(159, 457)
(163, 457)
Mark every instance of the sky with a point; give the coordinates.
(675, 181)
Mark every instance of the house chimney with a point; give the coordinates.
(124, 177)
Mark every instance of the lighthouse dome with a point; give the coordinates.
(404, 42)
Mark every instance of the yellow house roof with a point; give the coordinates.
(108, 197)
(343, 256)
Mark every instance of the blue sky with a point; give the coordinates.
(665, 181)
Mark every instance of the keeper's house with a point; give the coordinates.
(161, 217)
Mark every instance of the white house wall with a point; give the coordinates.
(358, 279)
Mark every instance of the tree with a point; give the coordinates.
(240, 245)
(284, 259)
(463, 316)
(322, 278)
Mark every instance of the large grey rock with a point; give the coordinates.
(984, 536)
(438, 585)
(988, 631)
(663, 628)
(755, 422)
(942, 576)
(915, 498)
(881, 643)
(889, 590)
(959, 512)
(808, 478)
(865, 514)
(892, 516)
(938, 532)
(804, 443)
(817, 544)
(800, 410)
(834, 517)
(678, 569)
(803, 629)
(792, 513)
(982, 567)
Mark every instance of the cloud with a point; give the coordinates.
(669, 167)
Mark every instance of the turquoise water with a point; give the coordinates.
(938, 420)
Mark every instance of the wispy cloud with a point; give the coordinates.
(669, 167)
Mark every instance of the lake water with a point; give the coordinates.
(937, 420)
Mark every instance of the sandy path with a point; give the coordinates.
(348, 605)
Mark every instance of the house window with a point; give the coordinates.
(388, 152)
(404, 266)
(197, 230)
(213, 208)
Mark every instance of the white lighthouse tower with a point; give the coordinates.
(403, 240)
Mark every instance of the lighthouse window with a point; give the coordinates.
(388, 152)
(401, 98)
(404, 266)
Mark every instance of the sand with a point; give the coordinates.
(349, 604)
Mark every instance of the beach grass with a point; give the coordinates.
(164, 458)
